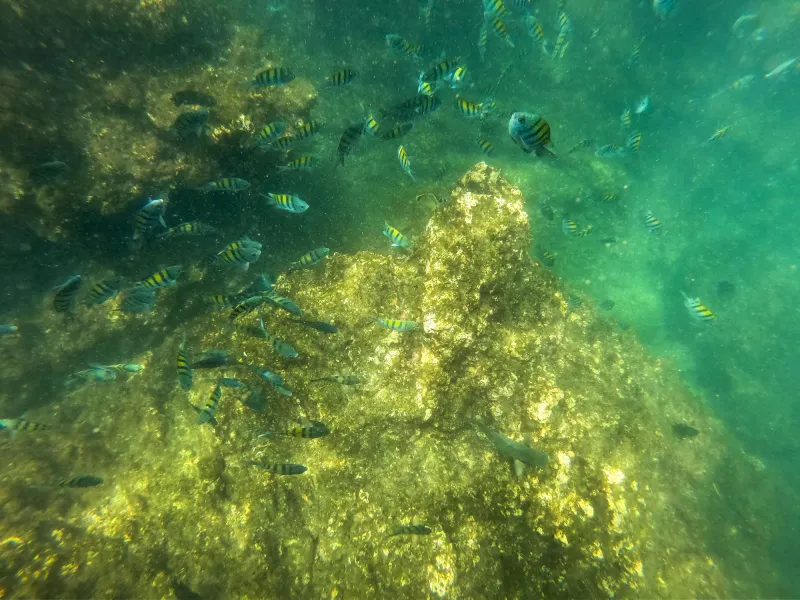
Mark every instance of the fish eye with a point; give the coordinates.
(521, 119)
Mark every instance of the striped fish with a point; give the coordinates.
(306, 130)
(163, 278)
(280, 346)
(697, 309)
(607, 198)
(719, 134)
(305, 429)
(483, 39)
(287, 202)
(405, 163)
(401, 46)
(486, 146)
(271, 77)
(245, 306)
(397, 131)
(104, 290)
(138, 300)
(148, 217)
(208, 413)
(240, 253)
(311, 258)
(185, 375)
(625, 118)
(226, 184)
(569, 227)
(440, 70)
(652, 223)
(500, 29)
(340, 78)
(531, 133)
(397, 324)
(190, 228)
(349, 139)
(469, 109)
(282, 143)
(634, 142)
(282, 303)
(371, 126)
(303, 163)
(494, 8)
(15, 425)
(548, 259)
(270, 132)
(398, 239)
(279, 468)
(66, 293)
(586, 143)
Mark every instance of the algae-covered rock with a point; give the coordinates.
(619, 510)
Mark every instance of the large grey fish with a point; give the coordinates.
(516, 451)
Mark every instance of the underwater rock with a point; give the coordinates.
(617, 512)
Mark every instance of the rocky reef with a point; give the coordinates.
(624, 508)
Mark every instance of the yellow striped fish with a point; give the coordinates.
(372, 126)
(486, 146)
(163, 278)
(307, 130)
(397, 324)
(719, 134)
(569, 227)
(270, 132)
(581, 145)
(607, 198)
(15, 425)
(398, 239)
(467, 108)
(185, 375)
(697, 309)
(303, 163)
(273, 76)
(634, 142)
(398, 131)
(64, 298)
(652, 223)
(625, 119)
(399, 45)
(494, 8)
(340, 78)
(402, 156)
(501, 30)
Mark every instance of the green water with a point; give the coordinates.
(728, 207)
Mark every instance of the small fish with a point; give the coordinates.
(82, 481)
(426, 87)
(397, 324)
(483, 39)
(286, 202)
(191, 123)
(514, 450)
(494, 8)
(405, 163)
(271, 77)
(416, 529)
(272, 377)
(662, 8)
(530, 132)
(280, 346)
(309, 259)
(138, 300)
(486, 146)
(148, 217)
(340, 78)
(342, 379)
(536, 31)
(282, 303)
(282, 143)
(636, 55)
(652, 223)
(500, 29)
(104, 290)
(569, 227)
(546, 210)
(607, 198)
(562, 42)
(270, 132)
(398, 239)
(226, 184)
(586, 143)
(212, 359)
(307, 129)
(90, 375)
(320, 326)
(255, 400)
(719, 134)
(191, 228)
(585, 231)
(245, 306)
(469, 109)
(351, 135)
(192, 98)
(222, 301)
(625, 119)
(371, 126)
(548, 259)
(15, 425)
(302, 163)
(401, 46)
(8, 329)
(454, 79)
(683, 431)
(697, 309)
(240, 253)
(208, 413)
(306, 429)
(609, 151)
(163, 278)
(66, 293)
(232, 383)
(279, 468)
(441, 69)
(120, 368)
(642, 106)
(397, 131)
(607, 304)
(633, 142)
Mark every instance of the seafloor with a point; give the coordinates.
(624, 509)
